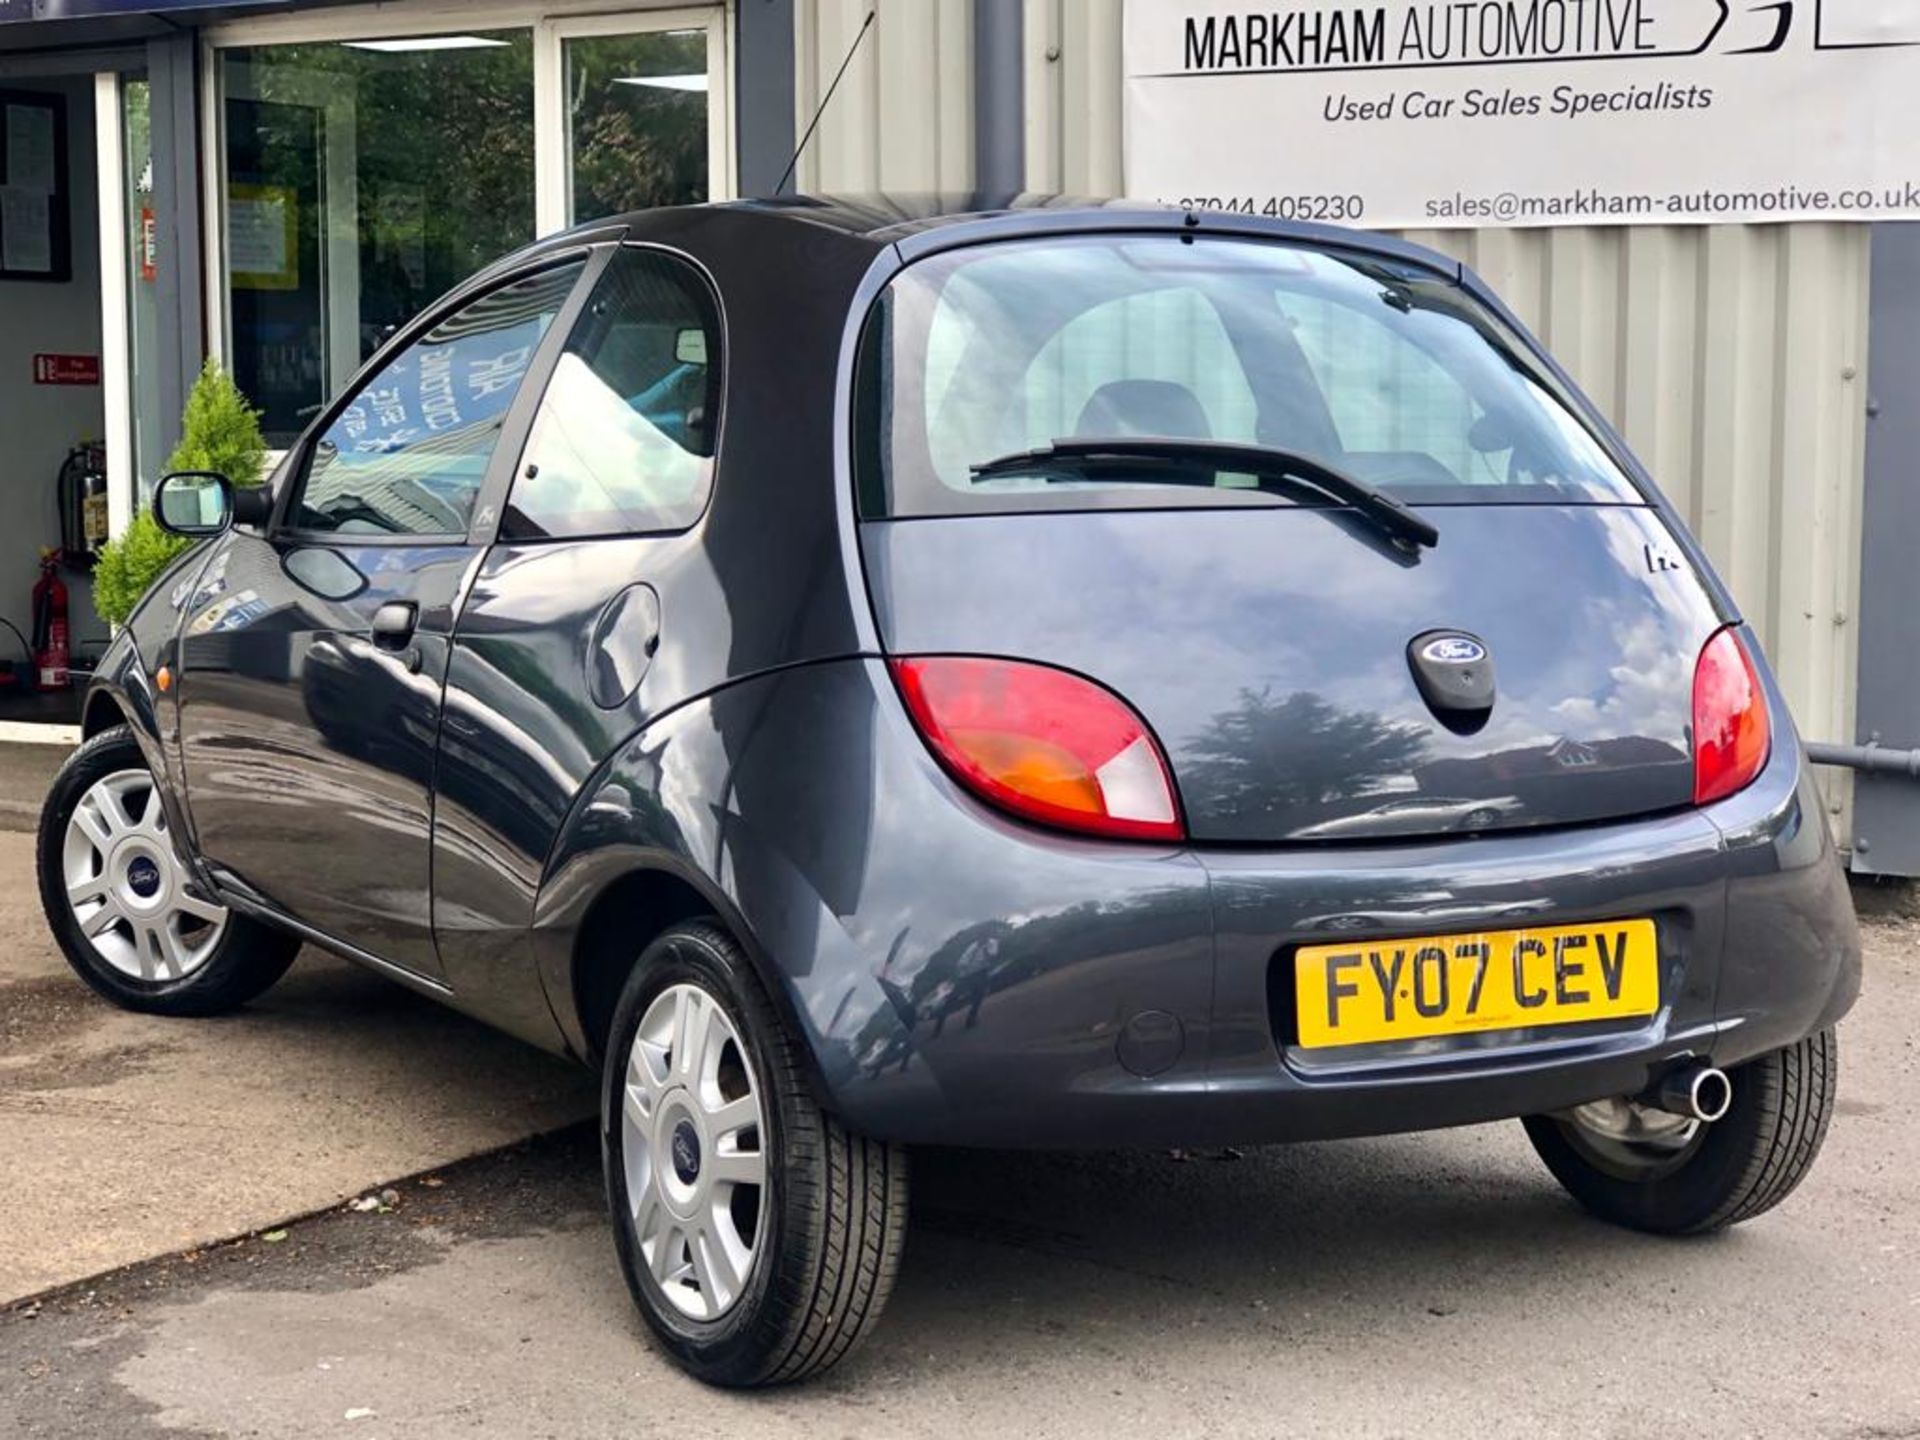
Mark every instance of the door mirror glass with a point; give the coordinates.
(194, 503)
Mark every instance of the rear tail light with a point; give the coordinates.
(1045, 744)
(1731, 734)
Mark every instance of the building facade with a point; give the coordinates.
(278, 186)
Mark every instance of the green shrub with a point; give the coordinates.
(219, 432)
(129, 563)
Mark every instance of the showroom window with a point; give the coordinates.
(365, 171)
(362, 183)
(637, 131)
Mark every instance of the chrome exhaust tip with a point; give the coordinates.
(1697, 1091)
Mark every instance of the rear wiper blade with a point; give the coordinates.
(1209, 457)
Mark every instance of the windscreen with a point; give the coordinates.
(1390, 373)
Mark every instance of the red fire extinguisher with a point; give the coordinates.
(51, 653)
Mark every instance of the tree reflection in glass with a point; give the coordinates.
(637, 121)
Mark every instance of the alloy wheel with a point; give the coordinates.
(693, 1137)
(127, 891)
(1632, 1141)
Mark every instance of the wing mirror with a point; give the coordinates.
(199, 503)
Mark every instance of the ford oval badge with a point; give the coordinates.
(1454, 673)
(1454, 650)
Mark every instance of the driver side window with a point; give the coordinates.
(408, 453)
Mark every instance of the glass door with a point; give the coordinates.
(131, 261)
(142, 267)
(642, 116)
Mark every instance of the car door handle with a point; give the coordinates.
(393, 624)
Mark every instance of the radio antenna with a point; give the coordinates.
(825, 100)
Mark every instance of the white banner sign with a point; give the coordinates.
(1425, 113)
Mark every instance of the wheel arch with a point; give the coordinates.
(662, 827)
(599, 916)
(122, 694)
(103, 711)
(633, 908)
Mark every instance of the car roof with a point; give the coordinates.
(882, 217)
(918, 223)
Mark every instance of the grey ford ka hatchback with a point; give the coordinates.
(868, 673)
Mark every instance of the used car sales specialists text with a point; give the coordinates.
(1564, 100)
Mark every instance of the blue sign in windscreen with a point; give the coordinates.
(408, 453)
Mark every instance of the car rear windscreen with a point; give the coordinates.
(1390, 373)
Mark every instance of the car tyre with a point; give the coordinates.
(1731, 1170)
(744, 1282)
(103, 835)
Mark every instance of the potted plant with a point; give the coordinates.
(220, 431)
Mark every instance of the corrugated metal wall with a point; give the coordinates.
(1733, 357)
(1073, 96)
(903, 119)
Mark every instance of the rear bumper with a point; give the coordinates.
(969, 981)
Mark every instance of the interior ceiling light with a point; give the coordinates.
(426, 42)
(665, 82)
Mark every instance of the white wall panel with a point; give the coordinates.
(903, 118)
(1733, 357)
(1073, 96)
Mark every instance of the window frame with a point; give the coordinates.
(486, 502)
(577, 306)
(553, 140)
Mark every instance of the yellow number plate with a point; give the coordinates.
(1365, 991)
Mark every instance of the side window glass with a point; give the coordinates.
(624, 439)
(407, 456)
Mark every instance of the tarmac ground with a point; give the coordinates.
(176, 1194)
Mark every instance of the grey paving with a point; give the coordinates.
(125, 1136)
(25, 773)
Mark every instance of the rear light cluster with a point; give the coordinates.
(1731, 733)
(1045, 744)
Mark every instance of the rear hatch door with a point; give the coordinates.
(1268, 650)
(1161, 460)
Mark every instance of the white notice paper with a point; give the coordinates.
(30, 149)
(257, 236)
(26, 230)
